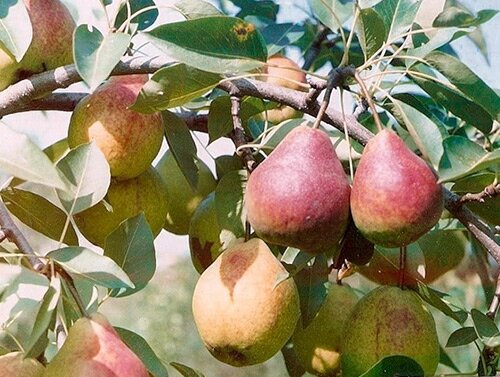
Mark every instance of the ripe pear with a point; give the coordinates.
(389, 321)
(204, 232)
(14, 364)
(443, 251)
(129, 140)
(145, 193)
(299, 195)
(51, 45)
(318, 345)
(183, 200)
(395, 196)
(94, 348)
(243, 313)
(281, 70)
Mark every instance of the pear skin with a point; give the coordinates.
(318, 345)
(395, 196)
(389, 321)
(14, 364)
(129, 140)
(93, 348)
(243, 315)
(299, 195)
(145, 193)
(183, 200)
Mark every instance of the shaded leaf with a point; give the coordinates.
(332, 13)
(292, 363)
(461, 337)
(445, 360)
(433, 298)
(214, 44)
(260, 8)
(131, 246)
(186, 371)
(459, 17)
(15, 28)
(371, 32)
(96, 55)
(144, 19)
(279, 36)
(398, 16)
(89, 265)
(485, 328)
(391, 366)
(174, 86)
(192, 9)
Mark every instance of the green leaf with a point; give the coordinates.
(174, 86)
(39, 214)
(96, 55)
(457, 103)
(87, 173)
(131, 246)
(279, 36)
(214, 44)
(459, 17)
(439, 38)
(186, 371)
(45, 315)
(229, 205)
(292, 363)
(182, 146)
(332, 13)
(87, 264)
(474, 183)
(466, 81)
(144, 19)
(433, 298)
(424, 132)
(445, 360)
(220, 122)
(391, 366)
(143, 350)
(192, 9)
(21, 158)
(371, 31)
(258, 8)
(463, 157)
(15, 28)
(398, 16)
(461, 337)
(485, 328)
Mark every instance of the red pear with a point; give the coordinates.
(395, 195)
(299, 195)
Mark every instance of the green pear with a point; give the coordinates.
(129, 140)
(145, 193)
(318, 345)
(395, 196)
(183, 200)
(51, 45)
(389, 321)
(243, 312)
(94, 349)
(14, 364)
(299, 195)
(204, 232)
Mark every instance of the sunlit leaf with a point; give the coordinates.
(192, 9)
(371, 31)
(398, 16)
(15, 28)
(144, 19)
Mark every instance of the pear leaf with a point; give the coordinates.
(16, 31)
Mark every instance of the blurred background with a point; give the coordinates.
(161, 313)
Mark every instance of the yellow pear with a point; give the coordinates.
(94, 349)
(129, 140)
(183, 200)
(51, 45)
(243, 313)
(389, 321)
(318, 345)
(145, 193)
(14, 364)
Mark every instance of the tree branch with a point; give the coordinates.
(238, 135)
(490, 191)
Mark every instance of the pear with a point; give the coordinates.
(94, 348)
(281, 70)
(14, 364)
(145, 193)
(129, 140)
(51, 45)
(395, 196)
(204, 232)
(318, 345)
(243, 312)
(183, 200)
(389, 321)
(299, 195)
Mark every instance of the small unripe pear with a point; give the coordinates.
(389, 321)
(94, 349)
(14, 364)
(129, 140)
(395, 196)
(243, 312)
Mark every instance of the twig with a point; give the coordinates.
(495, 302)
(315, 47)
(238, 134)
(361, 108)
(12, 232)
(490, 191)
(368, 98)
(3, 236)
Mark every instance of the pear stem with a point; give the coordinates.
(72, 289)
(402, 266)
